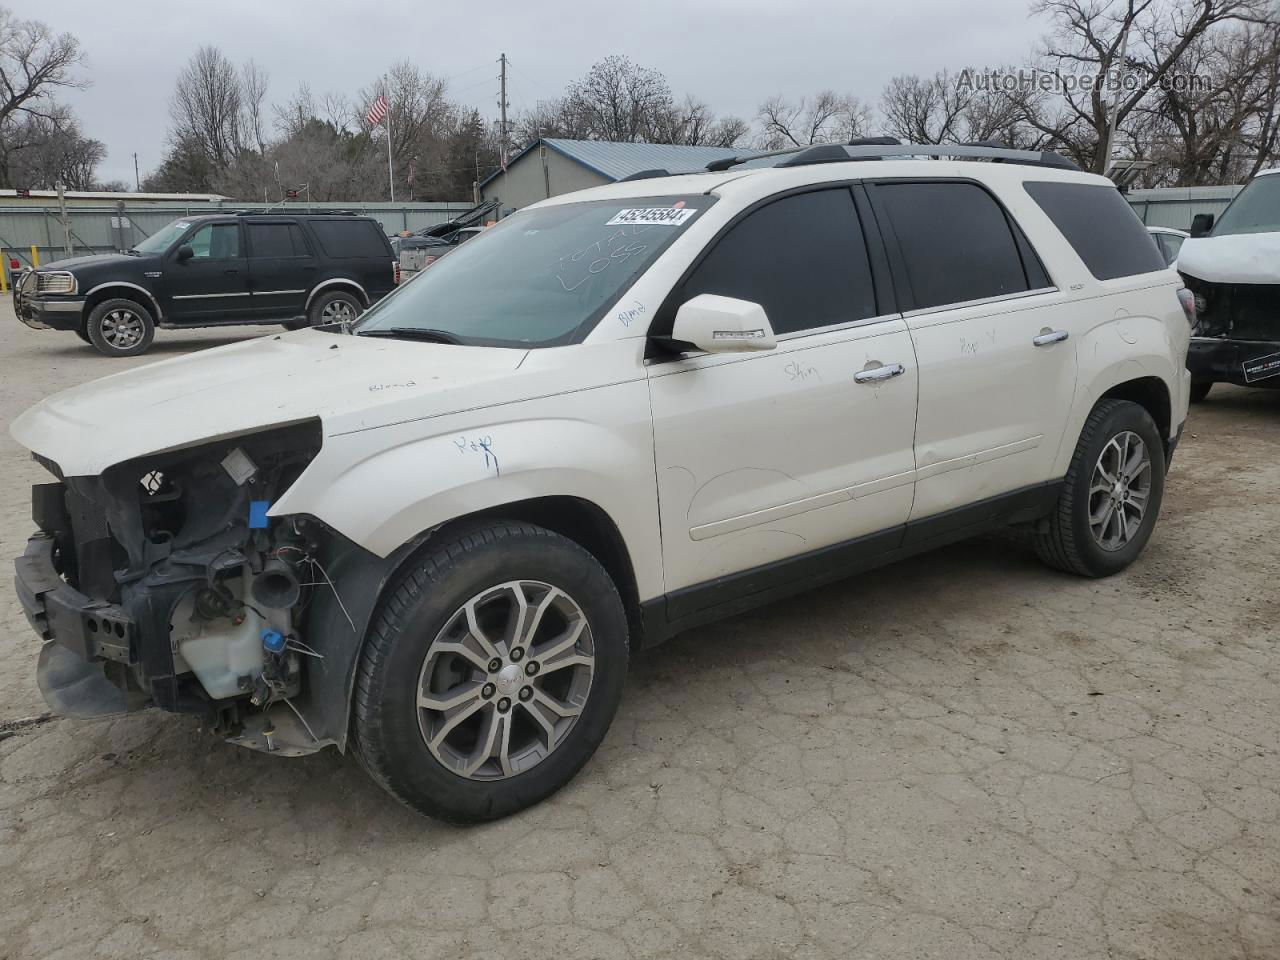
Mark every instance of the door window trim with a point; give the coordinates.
(898, 262)
(882, 287)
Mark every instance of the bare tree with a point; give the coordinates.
(34, 62)
(826, 117)
(620, 100)
(692, 123)
(1086, 38)
(253, 98)
(206, 108)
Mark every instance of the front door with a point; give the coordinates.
(282, 268)
(993, 342)
(773, 457)
(212, 286)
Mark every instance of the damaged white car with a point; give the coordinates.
(1233, 268)
(435, 537)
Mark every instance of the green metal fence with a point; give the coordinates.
(105, 228)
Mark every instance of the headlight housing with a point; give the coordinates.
(55, 281)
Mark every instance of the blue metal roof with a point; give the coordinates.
(614, 161)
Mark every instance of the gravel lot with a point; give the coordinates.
(961, 756)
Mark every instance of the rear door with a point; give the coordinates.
(992, 339)
(355, 248)
(282, 268)
(768, 457)
(213, 285)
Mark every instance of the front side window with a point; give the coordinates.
(217, 241)
(541, 277)
(955, 240)
(1255, 209)
(162, 239)
(803, 258)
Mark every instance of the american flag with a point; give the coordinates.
(376, 112)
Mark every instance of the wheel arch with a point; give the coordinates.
(1150, 393)
(123, 290)
(337, 283)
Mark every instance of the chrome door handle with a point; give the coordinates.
(1057, 336)
(879, 374)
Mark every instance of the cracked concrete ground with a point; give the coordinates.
(962, 756)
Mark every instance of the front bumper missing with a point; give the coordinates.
(1246, 363)
(83, 638)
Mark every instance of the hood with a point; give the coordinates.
(93, 260)
(1234, 258)
(349, 382)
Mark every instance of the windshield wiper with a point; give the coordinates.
(415, 333)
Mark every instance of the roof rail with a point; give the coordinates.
(646, 175)
(835, 153)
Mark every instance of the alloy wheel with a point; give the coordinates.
(337, 311)
(122, 328)
(1119, 491)
(505, 680)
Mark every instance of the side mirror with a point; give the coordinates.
(184, 253)
(723, 325)
(1201, 224)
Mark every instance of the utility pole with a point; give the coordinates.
(137, 181)
(1115, 105)
(66, 222)
(502, 106)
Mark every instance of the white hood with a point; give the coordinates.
(1235, 258)
(350, 383)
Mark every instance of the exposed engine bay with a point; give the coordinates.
(1242, 311)
(197, 600)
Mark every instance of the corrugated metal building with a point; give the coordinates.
(1175, 206)
(98, 227)
(551, 166)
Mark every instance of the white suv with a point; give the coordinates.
(436, 536)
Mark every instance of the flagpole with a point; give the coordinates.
(391, 176)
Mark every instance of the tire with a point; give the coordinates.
(420, 639)
(120, 328)
(1200, 389)
(1072, 542)
(334, 307)
(80, 332)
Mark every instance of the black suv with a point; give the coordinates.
(206, 271)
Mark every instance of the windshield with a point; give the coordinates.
(540, 277)
(162, 239)
(1256, 209)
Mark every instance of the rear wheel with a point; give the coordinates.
(1200, 389)
(1111, 495)
(336, 306)
(120, 328)
(493, 669)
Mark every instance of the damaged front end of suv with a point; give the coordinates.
(164, 582)
(1233, 269)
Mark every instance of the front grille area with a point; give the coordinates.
(28, 282)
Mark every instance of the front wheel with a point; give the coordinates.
(494, 666)
(120, 328)
(1200, 389)
(1111, 495)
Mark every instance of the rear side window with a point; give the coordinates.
(1100, 226)
(802, 258)
(276, 240)
(350, 238)
(956, 242)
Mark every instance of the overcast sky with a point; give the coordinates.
(731, 53)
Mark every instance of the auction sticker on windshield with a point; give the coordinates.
(653, 216)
